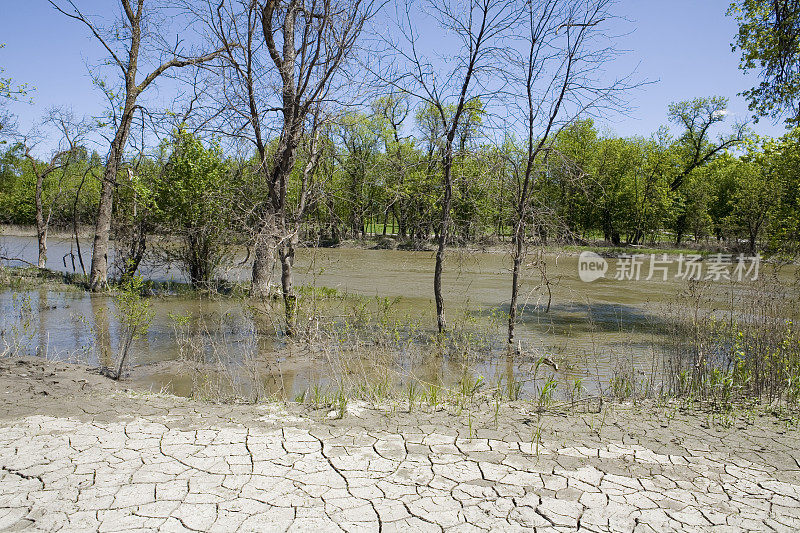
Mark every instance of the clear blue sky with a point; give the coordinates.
(684, 45)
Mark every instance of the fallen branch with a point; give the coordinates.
(5, 258)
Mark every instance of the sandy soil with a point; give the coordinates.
(79, 452)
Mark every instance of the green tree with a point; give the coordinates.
(779, 160)
(754, 200)
(17, 183)
(192, 201)
(769, 40)
(722, 174)
(389, 112)
(694, 149)
(359, 137)
(135, 316)
(134, 217)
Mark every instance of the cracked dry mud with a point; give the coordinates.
(78, 454)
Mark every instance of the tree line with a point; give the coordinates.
(374, 181)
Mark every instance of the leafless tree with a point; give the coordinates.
(560, 77)
(136, 39)
(284, 74)
(7, 121)
(72, 133)
(479, 28)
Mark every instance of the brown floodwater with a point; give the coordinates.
(590, 329)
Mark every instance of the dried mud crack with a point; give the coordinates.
(150, 462)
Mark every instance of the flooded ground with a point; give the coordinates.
(590, 329)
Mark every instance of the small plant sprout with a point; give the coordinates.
(546, 395)
(301, 397)
(340, 403)
(412, 394)
(577, 389)
(134, 315)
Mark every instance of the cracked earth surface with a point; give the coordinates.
(88, 456)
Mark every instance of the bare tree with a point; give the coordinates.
(7, 121)
(288, 67)
(71, 134)
(559, 79)
(478, 28)
(136, 38)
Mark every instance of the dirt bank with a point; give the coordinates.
(78, 452)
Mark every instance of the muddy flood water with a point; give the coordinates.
(591, 329)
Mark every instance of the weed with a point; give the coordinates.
(412, 394)
(546, 394)
(621, 386)
(318, 396)
(433, 395)
(301, 397)
(576, 390)
(134, 315)
(21, 332)
(340, 403)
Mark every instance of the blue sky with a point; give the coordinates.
(683, 45)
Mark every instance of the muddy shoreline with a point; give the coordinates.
(35, 386)
(78, 452)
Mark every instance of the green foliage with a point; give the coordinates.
(546, 394)
(191, 199)
(71, 190)
(753, 354)
(779, 161)
(625, 191)
(134, 315)
(17, 183)
(8, 89)
(769, 41)
(754, 198)
(375, 179)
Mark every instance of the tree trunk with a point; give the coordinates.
(443, 233)
(519, 248)
(75, 222)
(98, 277)
(400, 215)
(41, 226)
(138, 246)
(264, 261)
(680, 229)
(289, 299)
